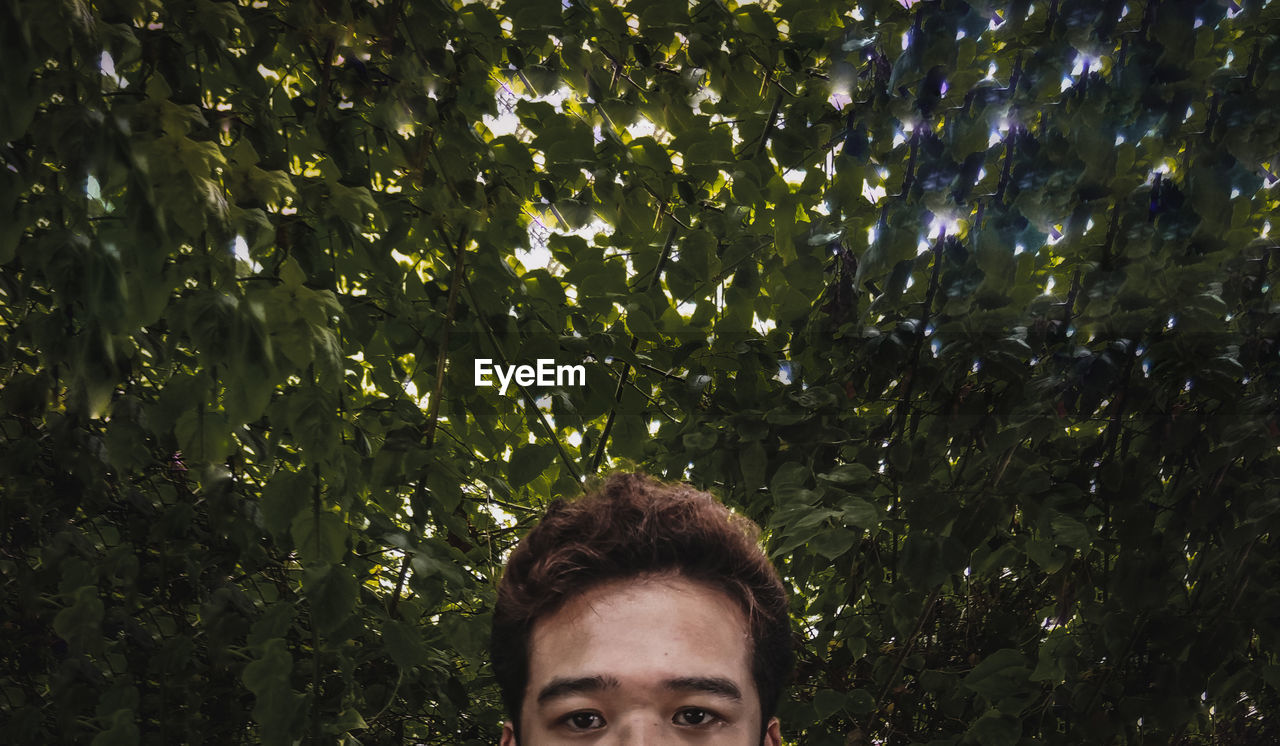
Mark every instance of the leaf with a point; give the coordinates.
(784, 222)
(320, 537)
(284, 498)
(291, 273)
(847, 474)
(277, 708)
(788, 481)
(355, 205)
(753, 462)
(827, 703)
(1055, 652)
(528, 462)
(995, 729)
(1002, 674)
(833, 542)
(348, 720)
(204, 436)
(122, 732)
(1069, 531)
(79, 623)
(859, 512)
(701, 440)
(273, 624)
(404, 644)
(331, 595)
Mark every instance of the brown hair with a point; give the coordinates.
(634, 525)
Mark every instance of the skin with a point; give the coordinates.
(645, 661)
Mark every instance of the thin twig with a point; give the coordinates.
(769, 125)
(530, 401)
(626, 366)
(442, 361)
(910, 177)
(904, 404)
(902, 655)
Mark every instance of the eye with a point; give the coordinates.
(584, 720)
(695, 717)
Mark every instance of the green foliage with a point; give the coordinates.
(970, 305)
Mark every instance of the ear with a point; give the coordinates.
(773, 733)
(508, 735)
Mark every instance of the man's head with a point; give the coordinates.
(641, 609)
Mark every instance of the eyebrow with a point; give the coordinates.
(716, 685)
(565, 687)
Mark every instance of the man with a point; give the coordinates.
(641, 613)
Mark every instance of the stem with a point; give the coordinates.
(528, 398)
(1112, 231)
(910, 178)
(1253, 65)
(1006, 171)
(315, 635)
(626, 366)
(904, 404)
(1071, 300)
(442, 359)
(902, 655)
(769, 124)
(1016, 75)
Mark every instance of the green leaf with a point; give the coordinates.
(330, 591)
(834, 542)
(859, 512)
(284, 498)
(753, 462)
(1056, 651)
(404, 644)
(995, 729)
(122, 732)
(529, 462)
(848, 474)
(79, 623)
(273, 624)
(320, 537)
(788, 482)
(1002, 674)
(827, 703)
(1069, 531)
(277, 708)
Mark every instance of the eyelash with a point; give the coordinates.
(567, 720)
(711, 718)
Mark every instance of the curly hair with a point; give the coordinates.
(633, 525)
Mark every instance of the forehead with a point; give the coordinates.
(643, 630)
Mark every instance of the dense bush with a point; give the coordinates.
(971, 305)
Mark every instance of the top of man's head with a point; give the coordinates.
(634, 526)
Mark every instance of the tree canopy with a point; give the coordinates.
(970, 305)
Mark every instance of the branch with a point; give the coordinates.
(768, 125)
(1112, 231)
(442, 360)
(528, 397)
(910, 177)
(626, 366)
(902, 655)
(617, 68)
(1008, 163)
(905, 403)
(1071, 300)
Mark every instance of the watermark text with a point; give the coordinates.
(543, 372)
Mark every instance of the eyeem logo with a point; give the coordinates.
(544, 372)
